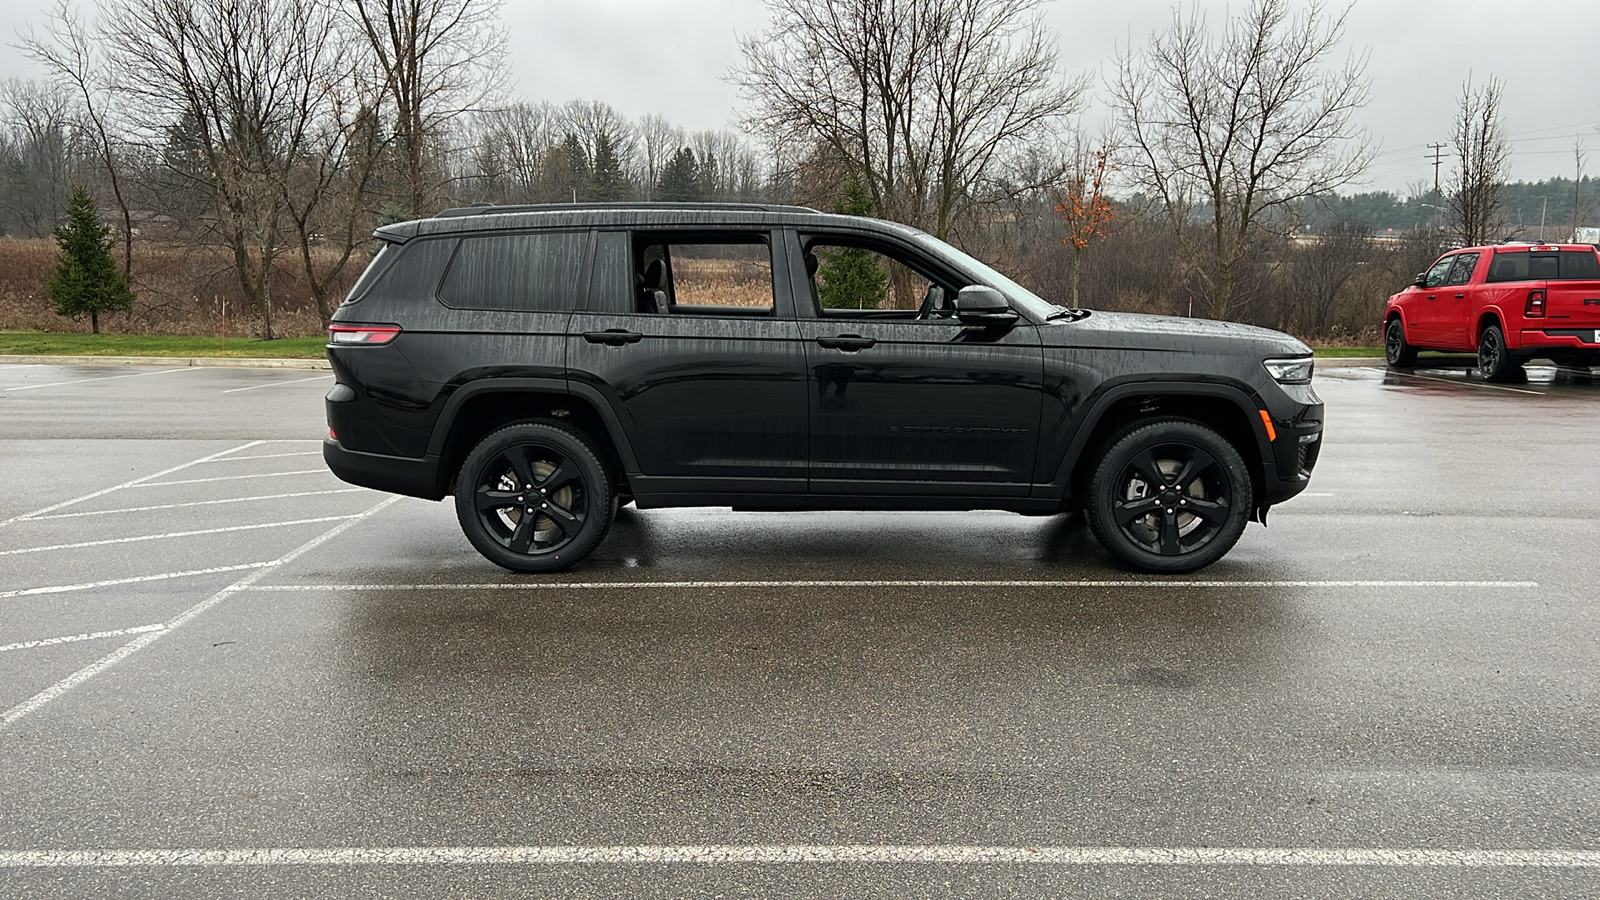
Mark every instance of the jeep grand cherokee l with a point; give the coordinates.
(546, 364)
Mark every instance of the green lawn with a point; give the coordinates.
(1347, 352)
(39, 343)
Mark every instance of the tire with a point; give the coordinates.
(1495, 362)
(1193, 483)
(554, 466)
(1395, 349)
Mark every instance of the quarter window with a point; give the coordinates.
(535, 272)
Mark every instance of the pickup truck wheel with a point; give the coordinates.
(1169, 496)
(534, 497)
(1495, 362)
(1395, 349)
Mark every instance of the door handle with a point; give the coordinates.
(614, 337)
(1433, 296)
(1461, 296)
(849, 343)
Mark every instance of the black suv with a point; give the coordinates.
(547, 364)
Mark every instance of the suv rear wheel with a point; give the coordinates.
(1169, 496)
(535, 497)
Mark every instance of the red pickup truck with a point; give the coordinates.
(1510, 303)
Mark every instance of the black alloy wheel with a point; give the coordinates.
(1495, 362)
(1395, 349)
(1169, 496)
(535, 497)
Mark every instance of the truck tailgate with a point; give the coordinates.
(1571, 304)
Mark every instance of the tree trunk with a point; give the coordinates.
(1077, 257)
(94, 320)
(1222, 290)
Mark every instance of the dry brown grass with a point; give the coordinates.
(178, 290)
(722, 282)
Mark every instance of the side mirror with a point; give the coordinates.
(1421, 280)
(980, 304)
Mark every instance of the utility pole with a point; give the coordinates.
(1438, 160)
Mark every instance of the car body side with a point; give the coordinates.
(454, 375)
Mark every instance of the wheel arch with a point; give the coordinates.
(1489, 316)
(475, 410)
(1230, 411)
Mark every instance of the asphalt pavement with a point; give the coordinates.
(223, 671)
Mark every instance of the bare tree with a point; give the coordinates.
(1483, 159)
(246, 77)
(1233, 129)
(924, 99)
(659, 139)
(40, 138)
(67, 51)
(441, 59)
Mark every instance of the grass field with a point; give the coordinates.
(39, 343)
(1348, 352)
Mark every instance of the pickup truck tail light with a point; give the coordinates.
(362, 335)
(1535, 306)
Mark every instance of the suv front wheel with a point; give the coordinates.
(1169, 496)
(534, 497)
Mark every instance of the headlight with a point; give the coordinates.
(1290, 371)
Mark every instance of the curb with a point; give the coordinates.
(170, 361)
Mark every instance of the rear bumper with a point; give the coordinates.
(1535, 340)
(394, 474)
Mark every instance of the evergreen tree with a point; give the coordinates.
(608, 181)
(680, 179)
(573, 178)
(86, 280)
(850, 277)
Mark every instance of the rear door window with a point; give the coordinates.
(534, 272)
(1461, 272)
(1436, 275)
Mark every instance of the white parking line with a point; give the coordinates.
(127, 484)
(271, 455)
(679, 585)
(136, 579)
(174, 534)
(277, 384)
(848, 854)
(128, 509)
(233, 478)
(44, 697)
(92, 636)
(34, 387)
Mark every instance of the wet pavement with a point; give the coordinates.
(224, 671)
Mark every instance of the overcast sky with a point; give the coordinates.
(645, 57)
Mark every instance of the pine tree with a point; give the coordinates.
(680, 178)
(850, 277)
(86, 280)
(608, 182)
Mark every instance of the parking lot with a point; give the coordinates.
(224, 671)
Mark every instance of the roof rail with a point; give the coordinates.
(490, 209)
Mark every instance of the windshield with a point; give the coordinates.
(1021, 296)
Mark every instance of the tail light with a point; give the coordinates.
(362, 335)
(1535, 307)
